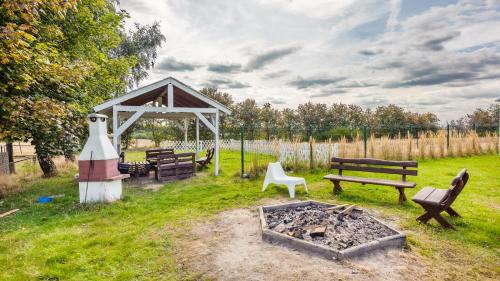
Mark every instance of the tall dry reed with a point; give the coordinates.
(29, 172)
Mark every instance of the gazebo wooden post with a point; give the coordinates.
(216, 170)
(116, 136)
(185, 134)
(197, 136)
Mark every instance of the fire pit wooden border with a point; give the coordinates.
(273, 237)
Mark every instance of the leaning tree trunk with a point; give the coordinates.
(69, 156)
(47, 165)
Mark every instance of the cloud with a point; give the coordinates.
(367, 53)
(452, 70)
(436, 43)
(274, 100)
(171, 64)
(433, 79)
(225, 84)
(277, 74)
(478, 94)
(327, 93)
(266, 58)
(355, 84)
(392, 51)
(224, 68)
(372, 101)
(302, 83)
(432, 102)
(392, 21)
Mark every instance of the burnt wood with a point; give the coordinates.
(373, 166)
(204, 161)
(435, 201)
(175, 166)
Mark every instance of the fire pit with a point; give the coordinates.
(329, 231)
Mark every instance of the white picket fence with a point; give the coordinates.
(288, 153)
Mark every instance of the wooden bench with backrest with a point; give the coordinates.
(152, 154)
(435, 201)
(373, 166)
(175, 166)
(204, 161)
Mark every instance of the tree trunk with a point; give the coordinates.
(10, 155)
(69, 156)
(47, 165)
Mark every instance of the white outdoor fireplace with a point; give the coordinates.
(99, 178)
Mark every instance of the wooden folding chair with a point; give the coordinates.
(204, 161)
(435, 201)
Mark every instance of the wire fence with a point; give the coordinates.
(296, 152)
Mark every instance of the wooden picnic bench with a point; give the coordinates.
(175, 166)
(434, 201)
(373, 166)
(152, 154)
(204, 161)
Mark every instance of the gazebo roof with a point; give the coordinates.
(183, 97)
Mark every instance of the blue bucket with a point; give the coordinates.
(44, 199)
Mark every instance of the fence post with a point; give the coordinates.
(10, 155)
(447, 135)
(311, 161)
(242, 153)
(365, 139)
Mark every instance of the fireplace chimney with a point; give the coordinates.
(98, 177)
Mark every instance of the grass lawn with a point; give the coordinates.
(135, 238)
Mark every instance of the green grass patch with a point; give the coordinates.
(135, 238)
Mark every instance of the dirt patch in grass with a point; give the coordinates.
(229, 247)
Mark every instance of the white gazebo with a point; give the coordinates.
(166, 99)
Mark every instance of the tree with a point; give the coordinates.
(289, 121)
(269, 118)
(338, 115)
(58, 60)
(312, 116)
(389, 119)
(158, 130)
(480, 119)
(141, 43)
(247, 115)
(223, 98)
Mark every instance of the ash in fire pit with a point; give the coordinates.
(327, 230)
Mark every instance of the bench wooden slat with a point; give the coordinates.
(370, 161)
(175, 166)
(431, 196)
(371, 181)
(375, 169)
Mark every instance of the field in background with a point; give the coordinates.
(300, 155)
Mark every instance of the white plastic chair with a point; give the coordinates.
(275, 174)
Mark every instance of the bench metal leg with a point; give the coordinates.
(336, 187)
(402, 196)
(452, 212)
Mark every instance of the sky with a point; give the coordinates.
(426, 56)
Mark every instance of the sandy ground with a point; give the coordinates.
(230, 247)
